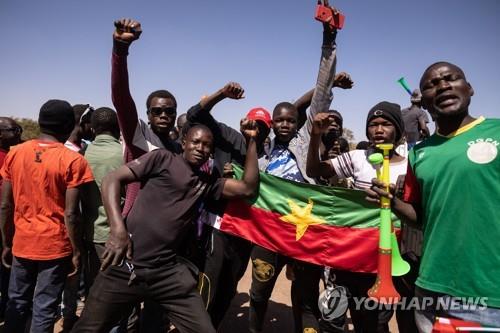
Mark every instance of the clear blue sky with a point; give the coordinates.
(61, 49)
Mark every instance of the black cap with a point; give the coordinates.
(337, 116)
(391, 112)
(56, 117)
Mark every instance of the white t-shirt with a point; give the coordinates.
(355, 164)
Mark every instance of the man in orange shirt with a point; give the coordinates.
(39, 210)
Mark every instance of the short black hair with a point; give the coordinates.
(104, 120)
(362, 145)
(7, 120)
(78, 110)
(191, 127)
(285, 105)
(439, 64)
(181, 118)
(160, 94)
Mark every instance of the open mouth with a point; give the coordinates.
(446, 100)
(378, 139)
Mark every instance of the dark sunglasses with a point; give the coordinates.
(15, 130)
(158, 111)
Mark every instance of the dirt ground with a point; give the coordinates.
(279, 315)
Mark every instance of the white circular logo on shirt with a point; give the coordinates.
(482, 152)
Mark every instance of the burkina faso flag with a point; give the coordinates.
(323, 225)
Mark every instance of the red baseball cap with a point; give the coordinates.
(260, 114)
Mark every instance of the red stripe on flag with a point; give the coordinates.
(353, 249)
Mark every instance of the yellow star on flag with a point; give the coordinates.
(301, 217)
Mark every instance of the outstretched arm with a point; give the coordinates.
(322, 96)
(118, 244)
(315, 167)
(302, 104)
(126, 32)
(247, 186)
(200, 113)
(224, 136)
(231, 90)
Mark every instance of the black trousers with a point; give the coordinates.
(305, 294)
(116, 290)
(266, 266)
(364, 319)
(130, 322)
(369, 320)
(225, 264)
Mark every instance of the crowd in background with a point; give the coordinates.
(107, 208)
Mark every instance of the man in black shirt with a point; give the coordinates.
(142, 251)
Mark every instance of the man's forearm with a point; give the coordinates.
(322, 96)
(72, 219)
(111, 188)
(304, 101)
(120, 92)
(312, 166)
(7, 224)
(209, 102)
(251, 173)
(74, 229)
(7, 214)
(302, 104)
(405, 212)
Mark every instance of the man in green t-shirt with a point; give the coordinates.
(104, 155)
(451, 190)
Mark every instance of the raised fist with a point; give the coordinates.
(321, 122)
(233, 90)
(343, 80)
(228, 171)
(249, 128)
(127, 30)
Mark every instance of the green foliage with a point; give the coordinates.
(30, 127)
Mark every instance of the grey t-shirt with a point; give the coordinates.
(411, 118)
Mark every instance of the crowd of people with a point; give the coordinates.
(105, 205)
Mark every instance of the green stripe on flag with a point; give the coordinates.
(336, 206)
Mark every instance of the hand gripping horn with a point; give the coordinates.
(383, 290)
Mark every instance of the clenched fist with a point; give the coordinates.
(127, 30)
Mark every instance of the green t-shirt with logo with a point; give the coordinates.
(458, 184)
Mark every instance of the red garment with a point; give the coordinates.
(137, 136)
(3, 153)
(40, 173)
(411, 187)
